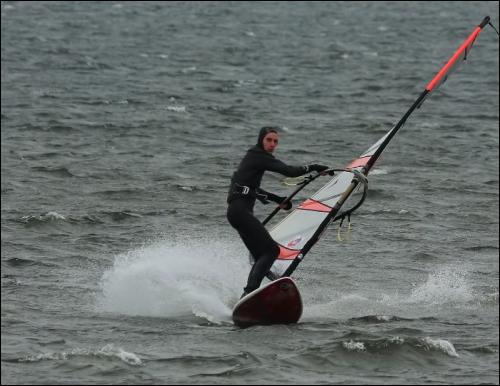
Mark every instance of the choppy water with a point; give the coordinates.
(121, 125)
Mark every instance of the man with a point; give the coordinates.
(245, 189)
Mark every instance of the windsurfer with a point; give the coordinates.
(245, 189)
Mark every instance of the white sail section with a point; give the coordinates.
(295, 230)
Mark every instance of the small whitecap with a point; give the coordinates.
(125, 356)
(396, 340)
(177, 108)
(377, 172)
(131, 214)
(242, 83)
(188, 69)
(441, 345)
(107, 351)
(354, 346)
(41, 357)
(54, 216)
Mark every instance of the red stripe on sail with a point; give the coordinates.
(287, 254)
(359, 162)
(314, 205)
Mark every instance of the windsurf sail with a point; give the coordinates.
(297, 233)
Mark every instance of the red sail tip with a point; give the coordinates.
(460, 54)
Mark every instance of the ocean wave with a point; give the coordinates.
(53, 217)
(354, 346)
(189, 187)
(424, 256)
(56, 171)
(120, 193)
(176, 108)
(380, 194)
(477, 248)
(432, 344)
(18, 262)
(379, 172)
(483, 349)
(42, 218)
(229, 365)
(395, 343)
(121, 215)
(109, 351)
(388, 211)
(379, 318)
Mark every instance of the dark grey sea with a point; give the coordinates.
(121, 124)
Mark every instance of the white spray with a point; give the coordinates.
(200, 276)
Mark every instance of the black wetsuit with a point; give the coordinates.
(244, 190)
